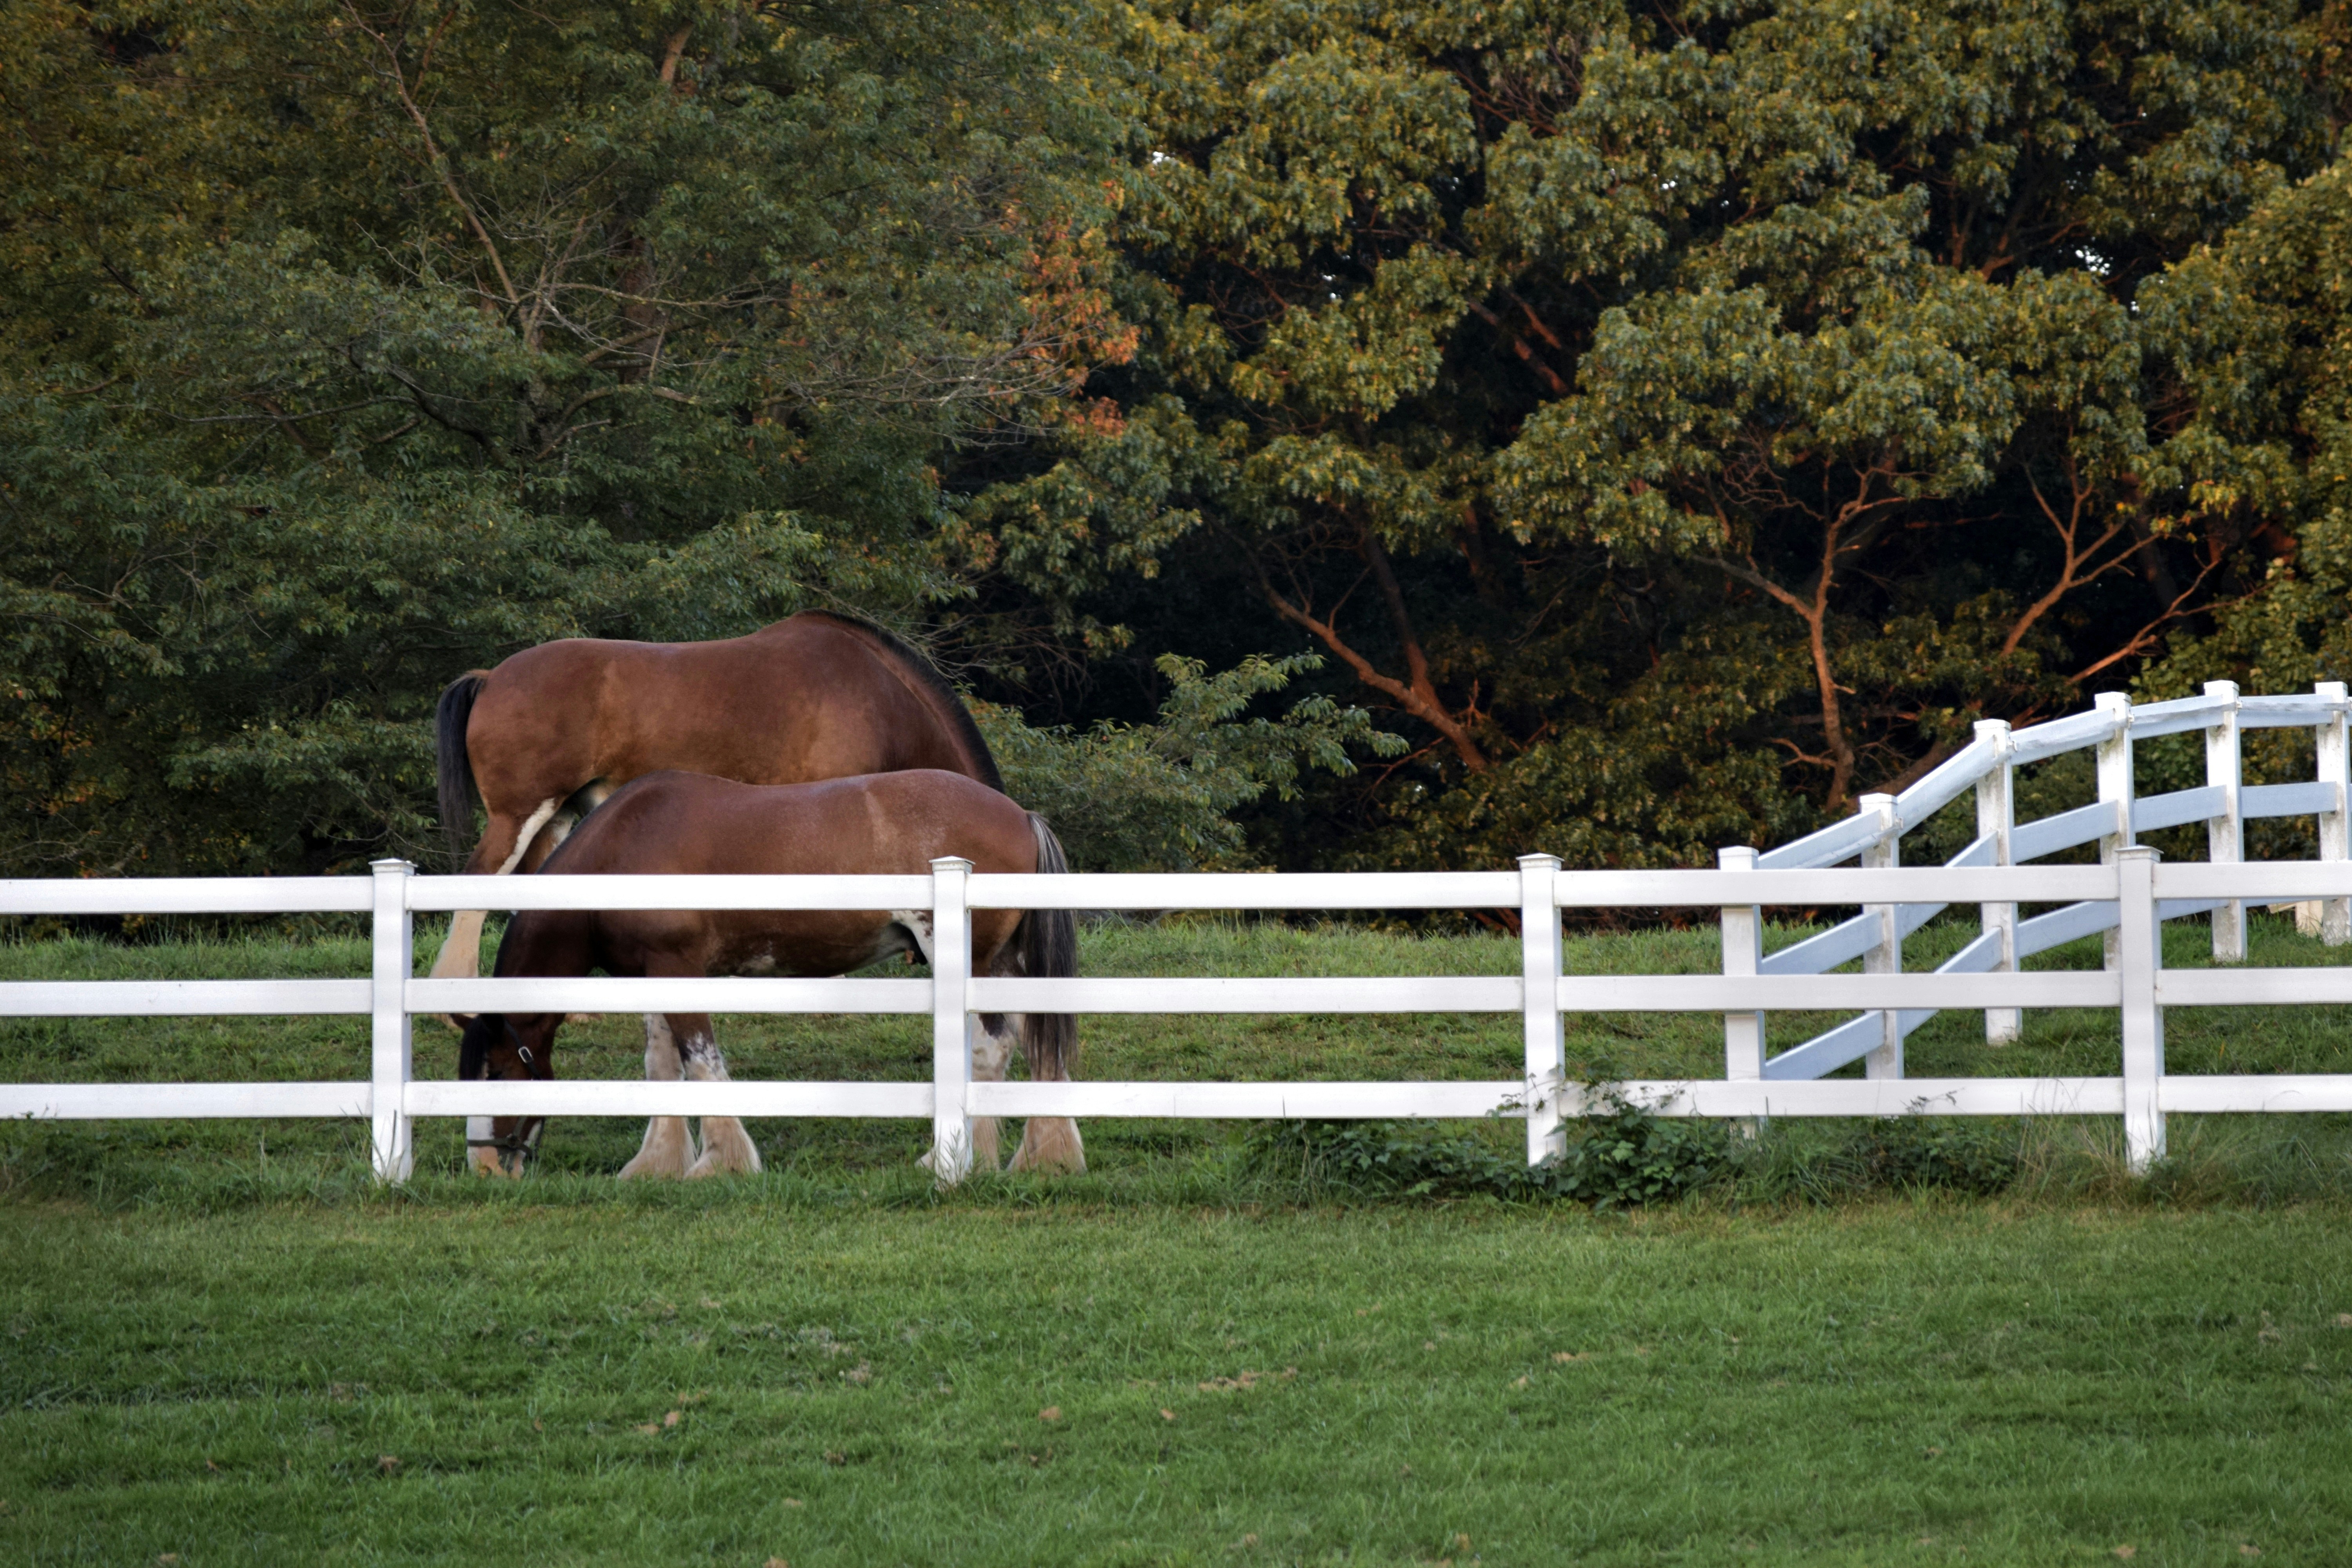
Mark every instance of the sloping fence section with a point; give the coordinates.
(2129, 895)
(1874, 836)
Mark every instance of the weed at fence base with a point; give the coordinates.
(1625, 1157)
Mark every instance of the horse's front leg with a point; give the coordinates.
(725, 1145)
(669, 1149)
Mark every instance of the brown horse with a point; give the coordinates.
(880, 824)
(554, 730)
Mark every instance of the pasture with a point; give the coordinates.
(222, 1343)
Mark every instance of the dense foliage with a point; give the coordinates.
(1673, 419)
(1683, 417)
(352, 346)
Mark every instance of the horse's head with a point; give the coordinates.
(511, 1046)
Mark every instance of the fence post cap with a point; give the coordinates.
(1538, 862)
(1738, 858)
(2331, 690)
(2148, 852)
(1995, 730)
(393, 866)
(948, 864)
(2221, 689)
(2111, 699)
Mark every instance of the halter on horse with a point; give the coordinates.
(881, 823)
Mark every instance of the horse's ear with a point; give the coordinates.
(474, 1049)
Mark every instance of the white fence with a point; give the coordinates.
(2129, 895)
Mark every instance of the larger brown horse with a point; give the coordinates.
(554, 730)
(879, 825)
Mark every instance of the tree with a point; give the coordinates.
(1684, 417)
(350, 344)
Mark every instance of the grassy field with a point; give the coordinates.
(222, 1344)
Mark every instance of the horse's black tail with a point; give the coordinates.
(1046, 945)
(455, 769)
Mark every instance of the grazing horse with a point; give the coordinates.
(554, 730)
(876, 824)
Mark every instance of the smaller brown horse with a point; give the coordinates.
(875, 825)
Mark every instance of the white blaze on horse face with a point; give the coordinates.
(484, 1161)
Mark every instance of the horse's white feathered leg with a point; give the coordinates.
(668, 1149)
(1048, 1143)
(1051, 1144)
(725, 1145)
(991, 1049)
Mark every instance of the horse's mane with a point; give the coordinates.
(911, 659)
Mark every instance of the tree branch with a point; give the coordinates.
(1421, 705)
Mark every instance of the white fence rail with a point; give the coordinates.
(2129, 895)
(2224, 803)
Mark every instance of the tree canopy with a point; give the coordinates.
(1671, 419)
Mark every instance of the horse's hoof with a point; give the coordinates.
(1051, 1145)
(668, 1150)
(717, 1164)
(1052, 1164)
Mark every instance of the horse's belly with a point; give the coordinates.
(805, 945)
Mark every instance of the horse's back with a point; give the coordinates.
(813, 696)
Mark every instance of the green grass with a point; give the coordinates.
(1891, 1384)
(218, 1334)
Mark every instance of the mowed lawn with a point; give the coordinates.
(736, 1380)
(221, 1345)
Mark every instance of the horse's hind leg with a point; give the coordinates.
(725, 1145)
(668, 1150)
(1049, 1142)
(503, 843)
(992, 1047)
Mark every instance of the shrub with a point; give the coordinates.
(1626, 1156)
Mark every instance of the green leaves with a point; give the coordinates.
(401, 338)
(1531, 362)
(1159, 797)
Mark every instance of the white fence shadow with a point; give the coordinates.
(2128, 896)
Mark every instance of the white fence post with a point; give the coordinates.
(950, 1020)
(2225, 835)
(392, 943)
(2114, 763)
(1996, 820)
(1539, 976)
(2141, 953)
(1885, 954)
(2335, 770)
(1743, 950)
